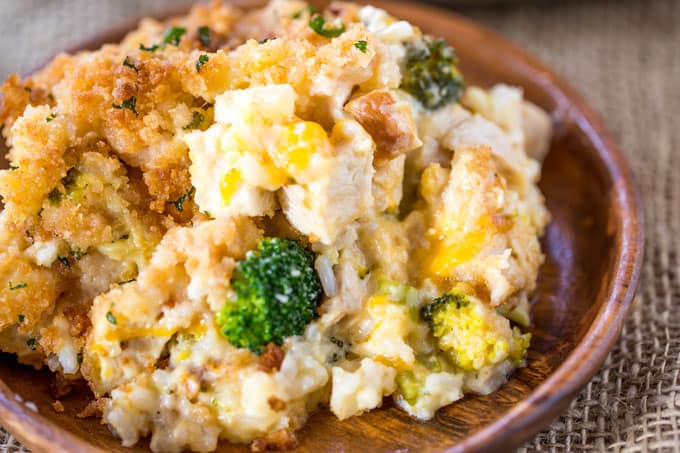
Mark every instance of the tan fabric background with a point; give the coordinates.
(624, 56)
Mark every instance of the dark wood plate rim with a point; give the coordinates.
(553, 395)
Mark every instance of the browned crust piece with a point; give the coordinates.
(271, 358)
(283, 439)
(388, 121)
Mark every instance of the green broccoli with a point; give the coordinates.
(277, 292)
(430, 73)
(472, 334)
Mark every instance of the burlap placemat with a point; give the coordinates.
(624, 56)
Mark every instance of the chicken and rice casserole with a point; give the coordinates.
(234, 218)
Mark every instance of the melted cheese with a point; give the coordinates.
(452, 245)
(230, 184)
(297, 143)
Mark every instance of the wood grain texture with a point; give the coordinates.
(593, 248)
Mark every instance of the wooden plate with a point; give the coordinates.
(594, 251)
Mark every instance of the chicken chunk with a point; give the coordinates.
(323, 207)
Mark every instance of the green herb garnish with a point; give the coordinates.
(51, 117)
(204, 35)
(179, 203)
(13, 167)
(110, 318)
(69, 182)
(130, 104)
(21, 318)
(64, 260)
(203, 59)
(128, 62)
(318, 24)
(361, 45)
(153, 48)
(174, 35)
(17, 286)
(196, 121)
(31, 344)
(124, 283)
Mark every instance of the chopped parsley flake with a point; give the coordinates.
(50, 96)
(318, 24)
(79, 358)
(174, 35)
(266, 40)
(124, 283)
(21, 318)
(64, 260)
(196, 121)
(128, 62)
(179, 203)
(130, 104)
(69, 182)
(13, 167)
(203, 59)
(110, 318)
(17, 286)
(153, 48)
(204, 35)
(31, 344)
(51, 117)
(361, 45)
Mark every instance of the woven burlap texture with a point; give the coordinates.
(624, 57)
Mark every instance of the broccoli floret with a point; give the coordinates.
(409, 386)
(430, 73)
(277, 292)
(473, 335)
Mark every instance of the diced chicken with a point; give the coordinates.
(324, 206)
(528, 126)
(477, 131)
(537, 128)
